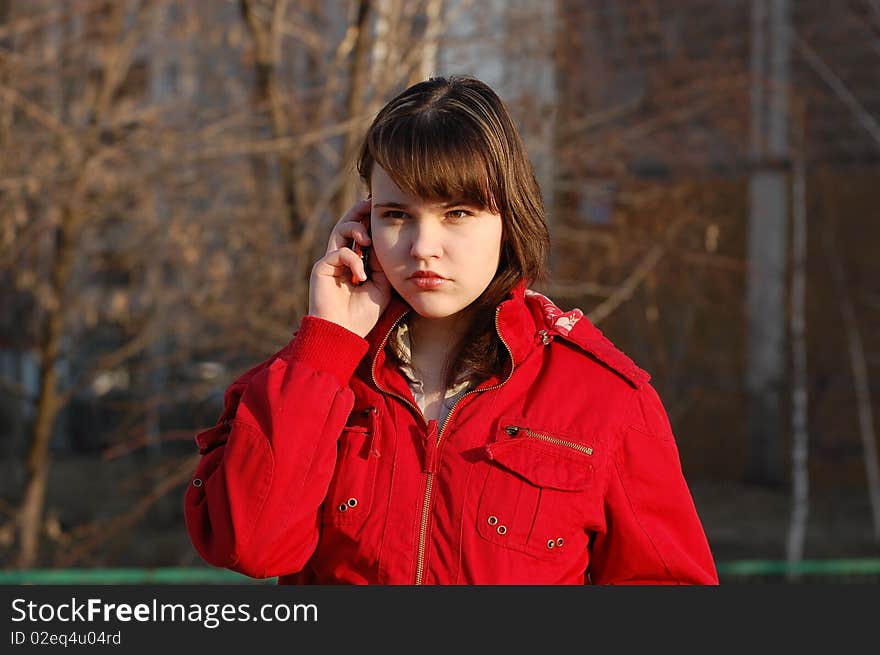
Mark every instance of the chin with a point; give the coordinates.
(426, 310)
(430, 308)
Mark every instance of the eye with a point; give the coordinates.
(393, 214)
(459, 214)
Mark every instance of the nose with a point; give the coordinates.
(426, 240)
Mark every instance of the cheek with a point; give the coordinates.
(486, 242)
(383, 247)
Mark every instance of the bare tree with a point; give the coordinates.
(152, 231)
(47, 249)
(358, 81)
(800, 499)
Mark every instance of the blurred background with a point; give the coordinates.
(170, 171)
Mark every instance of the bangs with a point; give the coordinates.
(434, 157)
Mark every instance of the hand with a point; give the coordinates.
(337, 290)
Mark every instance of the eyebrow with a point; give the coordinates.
(399, 205)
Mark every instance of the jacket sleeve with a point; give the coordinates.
(253, 502)
(652, 534)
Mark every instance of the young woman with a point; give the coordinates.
(434, 420)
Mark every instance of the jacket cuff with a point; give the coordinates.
(327, 346)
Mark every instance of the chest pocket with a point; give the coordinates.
(535, 493)
(350, 495)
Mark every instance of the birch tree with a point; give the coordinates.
(800, 498)
(767, 237)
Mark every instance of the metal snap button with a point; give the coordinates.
(501, 529)
(352, 502)
(492, 520)
(342, 507)
(560, 541)
(550, 543)
(197, 482)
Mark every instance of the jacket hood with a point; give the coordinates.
(576, 328)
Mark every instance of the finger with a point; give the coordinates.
(357, 210)
(343, 233)
(344, 262)
(357, 213)
(344, 258)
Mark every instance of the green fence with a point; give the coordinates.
(845, 571)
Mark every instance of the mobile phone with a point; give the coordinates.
(364, 253)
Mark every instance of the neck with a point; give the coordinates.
(434, 338)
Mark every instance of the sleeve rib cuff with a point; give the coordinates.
(327, 346)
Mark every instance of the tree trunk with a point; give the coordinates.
(37, 472)
(433, 30)
(37, 463)
(357, 83)
(800, 494)
(267, 94)
(386, 46)
(768, 218)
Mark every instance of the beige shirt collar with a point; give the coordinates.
(404, 341)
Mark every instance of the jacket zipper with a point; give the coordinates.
(429, 482)
(434, 457)
(423, 528)
(513, 430)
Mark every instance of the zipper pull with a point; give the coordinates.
(431, 440)
(374, 433)
(512, 430)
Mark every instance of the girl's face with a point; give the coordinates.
(454, 240)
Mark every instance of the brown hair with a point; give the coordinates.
(421, 137)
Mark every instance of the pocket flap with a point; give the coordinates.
(544, 458)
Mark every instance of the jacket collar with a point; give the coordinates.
(515, 321)
(591, 339)
(575, 327)
(516, 325)
(526, 320)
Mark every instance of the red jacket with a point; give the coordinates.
(563, 470)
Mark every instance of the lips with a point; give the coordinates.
(426, 275)
(427, 280)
